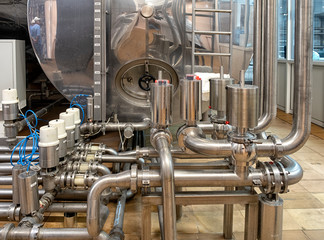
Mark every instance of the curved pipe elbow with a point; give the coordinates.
(296, 140)
(103, 170)
(295, 171)
(265, 122)
(220, 148)
(94, 225)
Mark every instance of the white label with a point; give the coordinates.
(33, 185)
(97, 36)
(97, 82)
(97, 54)
(96, 106)
(97, 10)
(97, 63)
(97, 44)
(97, 94)
(97, 3)
(97, 72)
(97, 19)
(97, 28)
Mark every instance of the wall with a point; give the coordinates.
(285, 89)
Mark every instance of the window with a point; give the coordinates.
(318, 50)
(282, 28)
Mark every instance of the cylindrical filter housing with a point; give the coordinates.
(9, 104)
(90, 108)
(69, 127)
(161, 103)
(270, 218)
(242, 110)
(190, 102)
(77, 121)
(60, 125)
(16, 170)
(48, 147)
(28, 191)
(218, 95)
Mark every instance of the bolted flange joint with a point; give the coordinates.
(157, 133)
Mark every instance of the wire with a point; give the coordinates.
(28, 159)
(75, 103)
(75, 100)
(79, 106)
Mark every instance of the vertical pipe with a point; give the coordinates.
(193, 6)
(257, 45)
(302, 85)
(271, 217)
(269, 65)
(117, 231)
(167, 174)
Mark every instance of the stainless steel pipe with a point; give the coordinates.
(302, 72)
(50, 234)
(93, 212)
(269, 65)
(168, 188)
(5, 180)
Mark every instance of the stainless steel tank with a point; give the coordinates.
(143, 38)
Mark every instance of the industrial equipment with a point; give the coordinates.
(131, 67)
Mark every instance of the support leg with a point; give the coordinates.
(251, 221)
(228, 218)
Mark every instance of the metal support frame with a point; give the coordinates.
(250, 199)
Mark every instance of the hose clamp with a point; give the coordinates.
(34, 231)
(278, 146)
(134, 173)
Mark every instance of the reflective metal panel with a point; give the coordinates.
(159, 31)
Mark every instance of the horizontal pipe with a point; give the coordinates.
(111, 127)
(68, 207)
(52, 234)
(121, 159)
(5, 180)
(23, 123)
(5, 168)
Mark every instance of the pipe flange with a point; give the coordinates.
(284, 176)
(266, 174)
(62, 180)
(134, 173)
(278, 146)
(98, 157)
(86, 180)
(73, 174)
(14, 213)
(156, 134)
(248, 138)
(5, 231)
(275, 176)
(34, 231)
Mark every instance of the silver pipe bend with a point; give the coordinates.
(121, 180)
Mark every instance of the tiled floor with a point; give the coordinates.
(303, 205)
